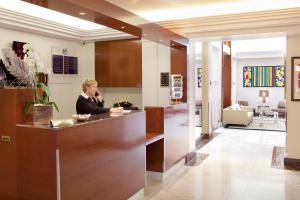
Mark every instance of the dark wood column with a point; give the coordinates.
(226, 74)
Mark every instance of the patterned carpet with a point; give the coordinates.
(268, 124)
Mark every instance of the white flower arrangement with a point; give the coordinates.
(32, 59)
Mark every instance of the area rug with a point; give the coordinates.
(278, 157)
(197, 159)
(267, 124)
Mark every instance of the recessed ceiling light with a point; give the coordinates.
(47, 14)
(122, 27)
(82, 13)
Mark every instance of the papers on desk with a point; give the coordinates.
(126, 111)
(61, 123)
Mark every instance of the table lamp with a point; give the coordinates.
(263, 94)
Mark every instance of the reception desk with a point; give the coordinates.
(103, 158)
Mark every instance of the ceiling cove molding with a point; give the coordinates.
(26, 23)
(205, 26)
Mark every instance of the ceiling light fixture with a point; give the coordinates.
(82, 13)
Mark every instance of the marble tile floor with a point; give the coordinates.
(238, 168)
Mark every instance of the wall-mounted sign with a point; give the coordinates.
(164, 79)
(64, 61)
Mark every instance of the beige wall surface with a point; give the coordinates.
(156, 59)
(293, 107)
(64, 88)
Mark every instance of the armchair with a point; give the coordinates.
(281, 109)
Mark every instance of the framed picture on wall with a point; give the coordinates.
(199, 76)
(295, 78)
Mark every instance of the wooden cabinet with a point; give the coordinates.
(118, 63)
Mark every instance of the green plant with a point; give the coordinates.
(122, 103)
(40, 99)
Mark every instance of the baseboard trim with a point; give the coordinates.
(292, 163)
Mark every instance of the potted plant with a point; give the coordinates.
(41, 106)
(123, 103)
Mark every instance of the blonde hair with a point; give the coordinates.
(88, 83)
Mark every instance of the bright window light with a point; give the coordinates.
(218, 9)
(47, 14)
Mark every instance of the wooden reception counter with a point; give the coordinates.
(103, 158)
(167, 136)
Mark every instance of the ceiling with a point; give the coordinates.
(166, 10)
(207, 18)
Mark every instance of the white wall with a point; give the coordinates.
(251, 94)
(215, 78)
(156, 58)
(293, 107)
(113, 95)
(64, 88)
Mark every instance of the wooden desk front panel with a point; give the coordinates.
(104, 160)
(12, 103)
(36, 163)
(176, 134)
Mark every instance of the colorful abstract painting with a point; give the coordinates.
(247, 76)
(263, 76)
(279, 73)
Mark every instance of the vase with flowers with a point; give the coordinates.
(41, 106)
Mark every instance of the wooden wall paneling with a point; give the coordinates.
(119, 63)
(226, 76)
(176, 134)
(102, 64)
(12, 102)
(179, 65)
(126, 59)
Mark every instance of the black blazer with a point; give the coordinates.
(88, 106)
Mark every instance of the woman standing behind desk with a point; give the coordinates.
(91, 103)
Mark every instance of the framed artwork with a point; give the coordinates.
(295, 78)
(199, 76)
(263, 76)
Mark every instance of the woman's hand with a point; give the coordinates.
(98, 96)
(116, 110)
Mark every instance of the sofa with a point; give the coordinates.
(238, 115)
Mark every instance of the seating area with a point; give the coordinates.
(262, 117)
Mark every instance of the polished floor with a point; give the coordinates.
(238, 168)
